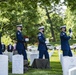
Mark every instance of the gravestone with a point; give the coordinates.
(9, 54)
(61, 56)
(51, 53)
(3, 65)
(17, 64)
(72, 71)
(68, 63)
(32, 57)
(47, 40)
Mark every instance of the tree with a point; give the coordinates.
(17, 12)
(70, 4)
(70, 21)
(57, 22)
(14, 12)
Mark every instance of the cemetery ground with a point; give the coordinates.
(54, 70)
(55, 64)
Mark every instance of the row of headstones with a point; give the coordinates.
(9, 54)
(17, 64)
(68, 65)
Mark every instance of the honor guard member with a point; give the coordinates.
(65, 47)
(20, 42)
(42, 45)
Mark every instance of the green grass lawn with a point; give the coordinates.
(54, 70)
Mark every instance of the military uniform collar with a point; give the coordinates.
(19, 30)
(63, 32)
(41, 32)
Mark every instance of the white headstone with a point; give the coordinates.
(68, 63)
(47, 40)
(72, 71)
(17, 64)
(32, 57)
(3, 65)
(61, 56)
(51, 53)
(10, 54)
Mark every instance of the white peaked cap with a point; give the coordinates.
(42, 27)
(20, 25)
(63, 26)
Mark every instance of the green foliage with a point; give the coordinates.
(71, 4)
(70, 21)
(32, 14)
(25, 12)
(16, 12)
(57, 22)
(5, 39)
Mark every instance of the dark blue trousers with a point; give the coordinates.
(0, 51)
(67, 53)
(45, 53)
(23, 52)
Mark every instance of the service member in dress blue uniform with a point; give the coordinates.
(20, 42)
(10, 48)
(65, 47)
(42, 45)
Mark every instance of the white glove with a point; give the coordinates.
(26, 39)
(71, 34)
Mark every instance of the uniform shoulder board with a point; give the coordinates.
(18, 33)
(39, 34)
(63, 33)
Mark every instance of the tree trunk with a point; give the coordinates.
(51, 25)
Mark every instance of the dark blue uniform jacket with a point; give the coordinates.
(42, 44)
(20, 41)
(64, 41)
